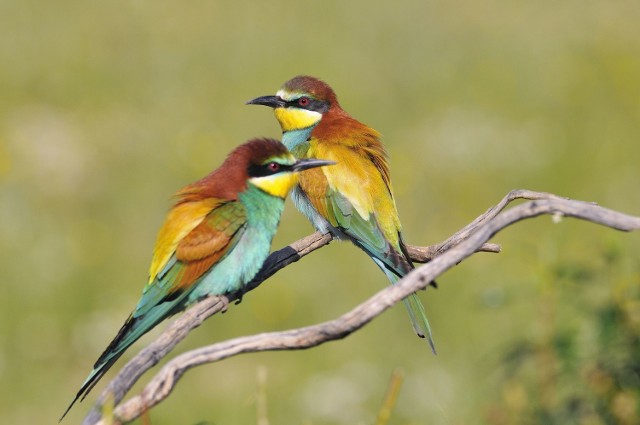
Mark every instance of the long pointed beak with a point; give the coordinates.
(270, 101)
(305, 164)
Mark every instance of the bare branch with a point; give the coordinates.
(460, 246)
(424, 254)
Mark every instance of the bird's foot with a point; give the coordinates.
(225, 304)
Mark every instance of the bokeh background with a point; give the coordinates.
(107, 108)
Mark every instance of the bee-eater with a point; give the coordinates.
(213, 241)
(352, 200)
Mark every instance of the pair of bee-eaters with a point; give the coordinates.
(219, 232)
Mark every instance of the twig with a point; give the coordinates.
(460, 246)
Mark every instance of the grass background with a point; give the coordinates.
(108, 108)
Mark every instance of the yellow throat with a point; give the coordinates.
(276, 185)
(296, 119)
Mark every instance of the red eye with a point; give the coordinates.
(273, 166)
(303, 101)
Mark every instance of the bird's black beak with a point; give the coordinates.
(305, 164)
(270, 101)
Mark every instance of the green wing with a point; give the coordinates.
(365, 232)
(193, 257)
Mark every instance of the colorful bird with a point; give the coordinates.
(352, 200)
(213, 241)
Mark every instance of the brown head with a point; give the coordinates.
(301, 103)
(304, 85)
(265, 163)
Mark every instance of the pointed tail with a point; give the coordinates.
(131, 331)
(90, 382)
(128, 334)
(414, 306)
(419, 319)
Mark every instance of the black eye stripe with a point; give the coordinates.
(263, 170)
(313, 105)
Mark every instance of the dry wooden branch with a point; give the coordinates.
(461, 245)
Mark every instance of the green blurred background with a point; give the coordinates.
(107, 108)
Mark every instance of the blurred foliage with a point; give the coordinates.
(583, 372)
(108, 108)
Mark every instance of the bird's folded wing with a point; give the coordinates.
(181, 219)
(366, 233)
(195, 254)
(355, 196)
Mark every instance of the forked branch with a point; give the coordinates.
(441, 257)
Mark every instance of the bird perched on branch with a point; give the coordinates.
(352, 200)
(213, 240)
